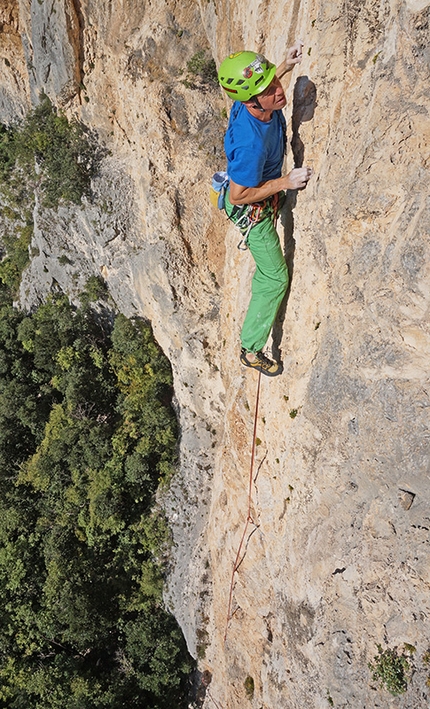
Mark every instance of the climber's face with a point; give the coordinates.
(273, 98)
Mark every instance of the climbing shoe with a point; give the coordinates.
(261, 363)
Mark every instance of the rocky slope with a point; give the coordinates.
(336, 555)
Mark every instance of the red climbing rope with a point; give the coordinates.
(238, 560)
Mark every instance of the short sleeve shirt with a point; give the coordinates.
(254, 149)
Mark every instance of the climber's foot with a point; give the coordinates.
(259, 361)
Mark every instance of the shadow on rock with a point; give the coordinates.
(304, 103)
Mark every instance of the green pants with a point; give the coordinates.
(269, 283)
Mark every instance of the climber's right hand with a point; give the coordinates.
(298, 178)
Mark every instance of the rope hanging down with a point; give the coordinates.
(238, 560)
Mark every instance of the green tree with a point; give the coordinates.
(86, 435)
(50, 153)
(46, 155)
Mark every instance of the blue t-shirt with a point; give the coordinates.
(254, 149)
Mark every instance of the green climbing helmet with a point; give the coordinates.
(245, 74)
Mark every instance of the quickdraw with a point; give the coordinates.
(249, 218)
(248, 215)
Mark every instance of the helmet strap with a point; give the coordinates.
(258, 105)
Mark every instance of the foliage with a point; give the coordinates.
(249, 686)
(86, 434)
(49, 153)
(47, 157)
(95, 289)
(16, 243)
(203, 67)
(390, 669)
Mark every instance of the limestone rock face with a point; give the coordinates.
(14, 75)
(335, 558)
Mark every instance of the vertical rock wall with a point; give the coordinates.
(338, 558)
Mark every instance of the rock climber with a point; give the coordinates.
(255, 144)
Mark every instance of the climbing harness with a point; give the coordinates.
(246, 216)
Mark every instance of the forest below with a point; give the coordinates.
(88, 441)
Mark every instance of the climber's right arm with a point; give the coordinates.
(295, 180)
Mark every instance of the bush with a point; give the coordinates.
(203, 67)
(53, 155)
(46, 155)
(249, 687)
(95, 289)
(390, 669)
